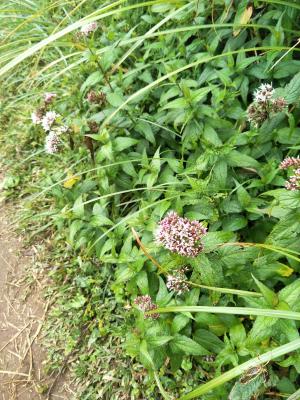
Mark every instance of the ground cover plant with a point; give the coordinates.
(155, 148)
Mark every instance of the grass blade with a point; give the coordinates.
(265, 312)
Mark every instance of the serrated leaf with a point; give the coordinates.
(188, 346)
(158, 341)
(237, 159)
(292, 89)
(122, 143)
(179, 322)
(291, 293)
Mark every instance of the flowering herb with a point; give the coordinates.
(290, 162)
(294, 181)
(87, 29)
(177, 281)
(51, 143)
(96, 97)
(36, 117)
(264, 93)
(49, 97)
(49, 119)
(264, 104)
(181, 235)
(93, 126)
(145, 304)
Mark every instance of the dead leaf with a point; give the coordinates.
(244, 19)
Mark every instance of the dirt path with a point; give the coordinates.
(22, 312)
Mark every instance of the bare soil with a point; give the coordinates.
(22, 314)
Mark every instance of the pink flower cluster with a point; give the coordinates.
(48, 97)
(51, 143)
(49, 119)
(145, 304)
(294, 181)
(180, 235)
(290, 162)
(177, 281)
(89, 28)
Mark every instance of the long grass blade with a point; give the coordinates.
(264, 312)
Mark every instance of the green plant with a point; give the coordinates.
(157, 98)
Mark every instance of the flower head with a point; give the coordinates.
(96, 97)
(177, 281)
(93, 126)
(49, 119)
(145, 304)
(36, 117)
(264, 105)
(264, 93)
(48, 97)
(294, 181)
(256, 114)
(51, 143)
(181, 235)
(279, 104)
(290, 162)
(89, 28)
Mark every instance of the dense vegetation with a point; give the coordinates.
(153, 149)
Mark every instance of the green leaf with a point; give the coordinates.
(291, 293)
(115, 99)
(78, 207)
(199, 94)
(234, 223)
(94, 78)
(243, 196)
(208, 340)
(145, 129)
(270, 297)
(122, 143)
(179, 322)
(163, 295)
(158, 341)
(237, 334)
(176, 104)
(292, 90)
(78, 302)
(188, 346)
(237, 159)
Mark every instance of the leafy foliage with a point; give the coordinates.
(156, 102)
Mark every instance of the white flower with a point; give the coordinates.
(36, 118)
(48, 97)
(264, 93)
(49, 119)
(89, 28)
(51, 143)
